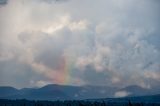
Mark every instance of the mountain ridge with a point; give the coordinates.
(67, 92)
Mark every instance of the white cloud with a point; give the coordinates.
(152, 75)
(122, 94)
(42, 83)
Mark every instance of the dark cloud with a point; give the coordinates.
(3, 2)
(13, 72)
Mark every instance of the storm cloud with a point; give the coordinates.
(80, 42)
(3, 2)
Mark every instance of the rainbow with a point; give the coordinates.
(66, 67)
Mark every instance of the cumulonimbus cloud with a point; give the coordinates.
(80, 42)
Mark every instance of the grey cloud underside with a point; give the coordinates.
(52, 1)
(3, 2)
(102, 42)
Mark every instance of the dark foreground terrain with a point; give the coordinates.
(109, 102)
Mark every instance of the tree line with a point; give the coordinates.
(5, 102)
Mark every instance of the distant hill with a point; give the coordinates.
(135, 90)
(135, 99)
(64, 92)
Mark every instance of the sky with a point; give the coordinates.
(79, 42)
